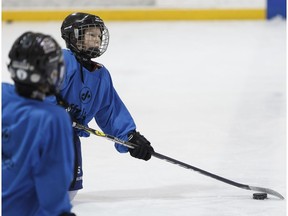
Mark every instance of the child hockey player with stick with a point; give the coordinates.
(88, 92)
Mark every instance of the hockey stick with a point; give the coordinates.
(179, 163)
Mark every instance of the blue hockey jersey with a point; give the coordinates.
(95, 97)
(37, 156)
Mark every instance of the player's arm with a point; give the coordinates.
(115, 119)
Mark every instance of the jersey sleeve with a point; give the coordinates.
(114, 118)
(54, 170)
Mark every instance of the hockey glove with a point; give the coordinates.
(143, 149)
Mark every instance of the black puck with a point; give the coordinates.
(260, 196)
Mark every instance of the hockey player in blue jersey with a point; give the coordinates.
(88, 89)
(37, 145)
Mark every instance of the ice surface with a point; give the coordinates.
(211, 94)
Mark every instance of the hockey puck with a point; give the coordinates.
(260, 196)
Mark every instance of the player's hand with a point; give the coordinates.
(143, 149)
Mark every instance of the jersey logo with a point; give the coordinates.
(85, 95)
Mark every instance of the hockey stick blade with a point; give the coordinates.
(267, 190)
(179, 163)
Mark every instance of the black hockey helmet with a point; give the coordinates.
(36, 62)
(73, 29)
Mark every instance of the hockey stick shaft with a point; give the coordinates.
(179, 163)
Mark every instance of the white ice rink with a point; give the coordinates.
(210, 94)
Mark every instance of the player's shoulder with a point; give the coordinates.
(102, 71)
(54, 109)
(7, 86)
(50, 114)
(67, 52)
(69, 57)
(47, 109)
(8, 91)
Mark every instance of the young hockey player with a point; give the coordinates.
(88, 89)
(37, 145)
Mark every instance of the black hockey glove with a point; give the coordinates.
(143, 149)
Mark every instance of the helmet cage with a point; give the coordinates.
(73, 29)
(91, 51)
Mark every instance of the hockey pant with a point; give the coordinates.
(77, 183)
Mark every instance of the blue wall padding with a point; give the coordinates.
(276, 8)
